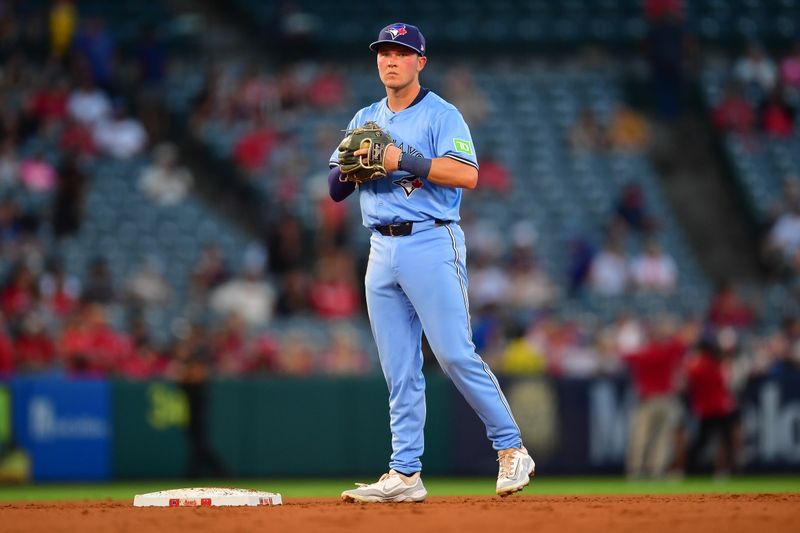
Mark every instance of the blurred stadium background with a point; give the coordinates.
(180, 298)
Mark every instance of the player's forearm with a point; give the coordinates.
(442, 171)
(338, 189)
(450, 173)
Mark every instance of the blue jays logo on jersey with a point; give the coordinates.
(397, 30)
(409, 184)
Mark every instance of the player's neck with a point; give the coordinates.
(400, 98)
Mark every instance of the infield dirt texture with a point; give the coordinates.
(673, 513)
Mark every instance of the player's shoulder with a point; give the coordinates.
(372, 109)
(437, 103)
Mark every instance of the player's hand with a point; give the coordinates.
(390, 156)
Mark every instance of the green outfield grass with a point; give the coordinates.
(299, 488)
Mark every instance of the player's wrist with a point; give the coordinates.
(418, 166)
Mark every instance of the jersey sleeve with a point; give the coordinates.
(334, 160)
(453, 139)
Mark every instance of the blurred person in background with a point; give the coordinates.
(293, 293)
(630, 211)
(249, 294)
(654, 270)
(165, 181)
(94, 46)
(19, 295)
(790, 70)
(520, 356)
(191, 369)
(98, 286)
(230, 347)
(344, 355)
(529, 285)
(144, 361)
(587, 134)
(734, 113)
(494, 175)
(756, 71)
(9, 164)
(628, 130)
(89, 346)
(489, 283)
(147, 287)
(333, 292)
(328, 90)
(35, 350)
(121, 136)
(654, 370)
(664, 46)
(60, 291)
(63, 23)
(37, 174)
(461, 90)
(298, 354)
(68, 200)
(728, 309)
(782, 247)
(580, 263)
(609, 272)
(713, 405)
(786, 349)
(252, 151)
(6, 351)
(87, 103)
(777, 116)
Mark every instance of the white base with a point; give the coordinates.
(206, 497)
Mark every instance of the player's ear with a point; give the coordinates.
(421, 61)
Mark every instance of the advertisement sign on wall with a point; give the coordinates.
(64, 425)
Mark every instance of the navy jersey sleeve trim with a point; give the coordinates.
(462, 160)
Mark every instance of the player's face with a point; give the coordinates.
(399, 66)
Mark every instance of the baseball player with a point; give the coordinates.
(416, 277)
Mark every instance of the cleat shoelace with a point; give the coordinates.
(384, 476)
(508, 464)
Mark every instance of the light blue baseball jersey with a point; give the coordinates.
(430, 128)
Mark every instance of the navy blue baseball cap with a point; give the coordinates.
(400, 33)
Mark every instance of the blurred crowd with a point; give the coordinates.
(763, 96)
(72, 95)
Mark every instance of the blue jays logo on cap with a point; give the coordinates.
(403, 34)
(397, 29)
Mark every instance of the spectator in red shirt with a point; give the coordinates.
(35, 350)
(734, 113)
(654, 370)
(89, 345)
(50, 102)
(328, 89)
(253, 149)
(494, 175)
(727, 309)
(777, 116)
(20, 295)
(6, 352)
(333, 292)
(713, 405)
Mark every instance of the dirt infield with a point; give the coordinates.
(726, 513)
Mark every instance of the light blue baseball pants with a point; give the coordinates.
(419, 282)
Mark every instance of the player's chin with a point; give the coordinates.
(393, 81)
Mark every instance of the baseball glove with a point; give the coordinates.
(366, 167)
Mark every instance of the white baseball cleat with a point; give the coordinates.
(391, 487)
(516, 470)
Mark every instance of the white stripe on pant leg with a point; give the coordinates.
(469, 328)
